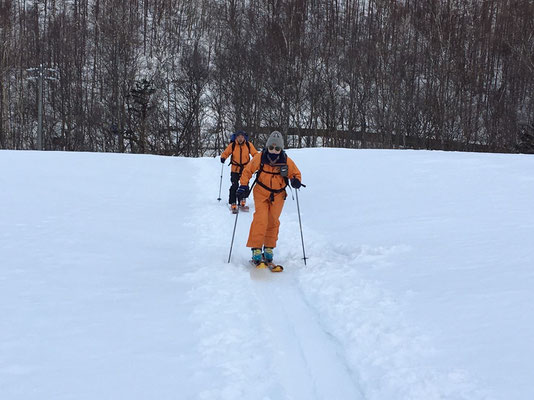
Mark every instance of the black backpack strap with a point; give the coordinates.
(232, 153)
(273, 191)
(257, 175)
(241, 166)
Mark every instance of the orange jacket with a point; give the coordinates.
(270, 176)
(240, 155)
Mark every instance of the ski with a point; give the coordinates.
(244, 208)
(267, 265)
(274, 267)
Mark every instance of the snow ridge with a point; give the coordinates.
(392, 358)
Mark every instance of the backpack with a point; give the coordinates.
(283, 173)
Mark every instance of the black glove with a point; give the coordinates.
(223, 160)
(242, 192)
(295, 183)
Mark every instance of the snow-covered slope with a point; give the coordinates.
(419, 283)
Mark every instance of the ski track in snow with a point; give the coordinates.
(307, 371)
(266, 310)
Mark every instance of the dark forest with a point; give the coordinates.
(176, 77)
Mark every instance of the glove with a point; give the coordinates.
(295, 183)
(223, 160)
(242, 192)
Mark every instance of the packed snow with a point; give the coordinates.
(114, 281)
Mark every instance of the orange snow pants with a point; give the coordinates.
(266, 221)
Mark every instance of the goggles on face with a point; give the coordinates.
(273, 147)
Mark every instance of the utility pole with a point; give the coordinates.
(40, 72)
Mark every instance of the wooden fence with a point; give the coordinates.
(297, 137)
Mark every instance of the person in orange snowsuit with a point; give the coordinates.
(241, 150)
(274, 171)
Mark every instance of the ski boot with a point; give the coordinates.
(257, 258)
(268, 255)
(233, 208)
(243, 206)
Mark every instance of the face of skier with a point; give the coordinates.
(240, 139)
(274, 149)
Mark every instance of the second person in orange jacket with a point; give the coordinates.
(274, 171)
(241, 151)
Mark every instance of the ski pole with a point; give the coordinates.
(233, 234)
(300, 224)
(220, 185)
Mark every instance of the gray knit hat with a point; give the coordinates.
(275, 139)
